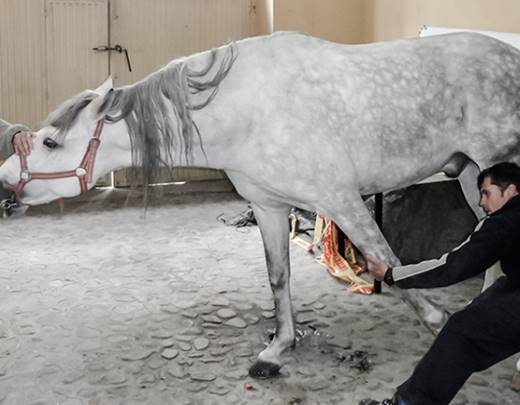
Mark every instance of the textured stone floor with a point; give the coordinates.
(106, 305)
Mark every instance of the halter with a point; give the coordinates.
(83, 172)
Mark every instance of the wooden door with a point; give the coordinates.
(73, 29)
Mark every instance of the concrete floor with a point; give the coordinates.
(106, 305)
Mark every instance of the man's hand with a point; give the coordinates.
(23, 143)
(376, 268)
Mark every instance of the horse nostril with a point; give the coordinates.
(50, 143)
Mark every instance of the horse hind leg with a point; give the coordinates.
(468, 182)
(274, 228)
(355, 220)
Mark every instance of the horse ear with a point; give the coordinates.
(105, 87)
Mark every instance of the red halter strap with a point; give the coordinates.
(83, 172)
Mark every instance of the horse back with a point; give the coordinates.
(389, 113)
(410, 105)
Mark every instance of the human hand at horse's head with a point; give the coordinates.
(23, 143)
(376, 268)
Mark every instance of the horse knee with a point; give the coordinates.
(278, 282)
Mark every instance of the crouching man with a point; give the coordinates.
(487, 331)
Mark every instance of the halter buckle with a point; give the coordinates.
(80, 172)
(25, 175)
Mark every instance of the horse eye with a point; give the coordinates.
(50, 143)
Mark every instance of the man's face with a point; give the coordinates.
(492, 198)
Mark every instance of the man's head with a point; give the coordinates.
(498, 184)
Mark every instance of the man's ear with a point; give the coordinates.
(511, 190)
(105, 87)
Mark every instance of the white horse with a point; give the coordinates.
(295, 121)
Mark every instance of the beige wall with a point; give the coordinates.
(170, 29)
(355, 21)
(23, 71)
(264, 19)
(391, 19)
(335, 20)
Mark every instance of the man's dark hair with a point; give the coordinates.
(502, 175)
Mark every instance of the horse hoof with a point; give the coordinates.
(263, 370)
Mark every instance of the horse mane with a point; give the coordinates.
(157, 110)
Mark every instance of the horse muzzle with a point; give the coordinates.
(10, 204)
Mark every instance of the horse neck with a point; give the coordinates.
(170, 108)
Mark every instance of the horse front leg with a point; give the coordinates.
(274, 228)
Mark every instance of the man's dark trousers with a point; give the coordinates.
(484, 333)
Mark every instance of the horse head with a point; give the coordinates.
(69, 153)
(148, 124)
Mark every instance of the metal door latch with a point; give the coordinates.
(117, 48)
